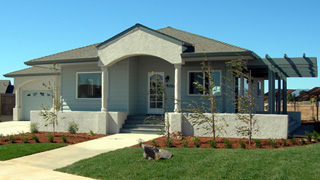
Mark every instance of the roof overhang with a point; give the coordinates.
(190, 57)
(62, 61)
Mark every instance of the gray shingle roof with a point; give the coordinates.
(33, 71)
(4, 84)
(201, 44)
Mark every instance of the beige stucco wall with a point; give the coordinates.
(140, 43)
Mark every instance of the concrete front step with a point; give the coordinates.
(140, 131)
(142, 126)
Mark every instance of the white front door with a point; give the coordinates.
(155, 103)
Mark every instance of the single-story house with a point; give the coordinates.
(106, 87)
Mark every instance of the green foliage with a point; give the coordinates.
(196, 141)
(34, 128)
(309, 136)
(90, 133)
(313, 100)
(227, 144)
(25, 139)
(273, 143)
(242, 145)
(140, 142)
(303, 141)
(293, 139)
(313, 118)
(212, 143)
(35, 138)
(258, 143)
(63, 138)
(283, 142)
(168, 142)
(50, 138)
(11, 139)
(154, 142)
(73, 127)
(315, 135)
(185, 142)
(22, 133)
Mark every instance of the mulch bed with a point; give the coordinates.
(43, 138)
(219, 143)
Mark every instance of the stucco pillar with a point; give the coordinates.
(17, 98)
(104, 89)
(177, 87)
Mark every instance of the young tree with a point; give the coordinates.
(245, 100)
(51, 115)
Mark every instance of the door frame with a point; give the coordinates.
(154, 110)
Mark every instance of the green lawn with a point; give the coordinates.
(189, 163)
(11, 151)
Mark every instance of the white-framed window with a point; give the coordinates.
(197, 76)
(88, 85)
(259, 88)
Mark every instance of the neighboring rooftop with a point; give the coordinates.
(5, 86)
(313, 93)
(33, 71)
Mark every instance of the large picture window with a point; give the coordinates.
(198, 77)
(89, 85)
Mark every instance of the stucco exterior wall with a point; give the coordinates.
(269, 126)
(140, 43)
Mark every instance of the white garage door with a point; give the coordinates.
(32, 100)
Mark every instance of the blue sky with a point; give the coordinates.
(36, 28)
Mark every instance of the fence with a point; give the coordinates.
(7, 103)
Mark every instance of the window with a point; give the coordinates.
(259, 88)
(198, 77)
(89, 85)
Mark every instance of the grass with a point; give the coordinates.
(11, 151)
(191, 163)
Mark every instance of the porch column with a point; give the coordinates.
(271, 92)
(284, 90)
(177, 88)
(104, 89)
(17, 98)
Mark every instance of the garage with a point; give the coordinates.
(32, 100)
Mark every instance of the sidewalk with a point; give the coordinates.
(40, 166)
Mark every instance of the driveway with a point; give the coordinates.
(14, 127)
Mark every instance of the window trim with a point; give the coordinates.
(77, 83)
(197, 71)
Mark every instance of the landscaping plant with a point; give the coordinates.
(25, 139)
(63, 138)
(168, 142)
(273, 143)
(309, 136)
(315, 135)
(293, 139)
(73, 127)
(50, 138)
(140, 142)
(185, 143)
(283, 142)
(196, 141)
(35, 138)
(242, 145)
(11, 139)
(90, 133)
(212, 144)
(227, 143)
(258, 143)
(34, 128)
(154, 143)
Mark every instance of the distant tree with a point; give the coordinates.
(302, 92)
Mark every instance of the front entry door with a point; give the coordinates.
(155, 104)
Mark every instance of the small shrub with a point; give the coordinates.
(22, 133)
(35, 138)
(293, 140)
(11, 139)
(168, 142)
(140, 142)
(73, 127)
(50, 138)
(185, 143)
(1, 136)
(242, 145)
(273, 143)
(63, 138)
(303, 141)
(283, 142)
(258, 143)
(227, 143)
(315, 135)
(90, 133)
(154, 143)
(309, 136)
(313, 118)
(196, 141)
(212, 143)
(25, 139)
(34, 128)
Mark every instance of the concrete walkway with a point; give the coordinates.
(40, 166)
(14, 127)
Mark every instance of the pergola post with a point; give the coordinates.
(279, 95)
(284, 101)
(271, 98)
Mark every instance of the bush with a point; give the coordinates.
(168, 142)
(50, 138)
(34, 128)
(25, 139)
(273, 143)
(309, 136)
(196, 141)
(293, 139)
(242, 145)
(140, 142)
(185, 143)
(73, 127)
(284, 142)
(90, 133)
(35, 138)
(258, 143)
(303, 141)
(154, 143)
(315, 135)
(63, 138)
(313, 118)
(227, 143)
(212, 143)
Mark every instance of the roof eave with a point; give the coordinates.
(219, 54)
(21, 75)
(62, 61)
